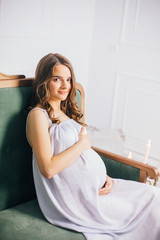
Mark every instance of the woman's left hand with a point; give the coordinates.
(107, 187)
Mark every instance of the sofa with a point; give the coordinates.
(20, 215)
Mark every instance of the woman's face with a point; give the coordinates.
(60, 83)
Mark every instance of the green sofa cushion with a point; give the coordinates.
(26, 222)
(117, 169)
(16, 181)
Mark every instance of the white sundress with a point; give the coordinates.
(131, 211)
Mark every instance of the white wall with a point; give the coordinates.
(29, 29)
(114, 46)
(104, 61)
(124, 84)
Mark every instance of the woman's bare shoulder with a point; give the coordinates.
(37, 126)
(37, 116)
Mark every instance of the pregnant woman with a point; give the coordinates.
(71, 181)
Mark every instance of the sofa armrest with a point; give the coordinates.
(125, 168)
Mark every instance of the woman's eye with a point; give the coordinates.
(56, 79)
(69, 79)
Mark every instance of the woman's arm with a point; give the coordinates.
(39, 139)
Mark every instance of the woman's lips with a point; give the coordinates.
(63, 92)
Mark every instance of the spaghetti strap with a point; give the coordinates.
(43, 110)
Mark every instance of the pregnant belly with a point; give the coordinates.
(95, 166)
(88, 170)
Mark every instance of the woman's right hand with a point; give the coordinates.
(84, 139)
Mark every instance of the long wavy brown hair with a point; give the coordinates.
(41, 93)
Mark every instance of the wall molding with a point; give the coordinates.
(123, 28)
(116, 87)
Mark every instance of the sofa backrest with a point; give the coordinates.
(16, 181)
